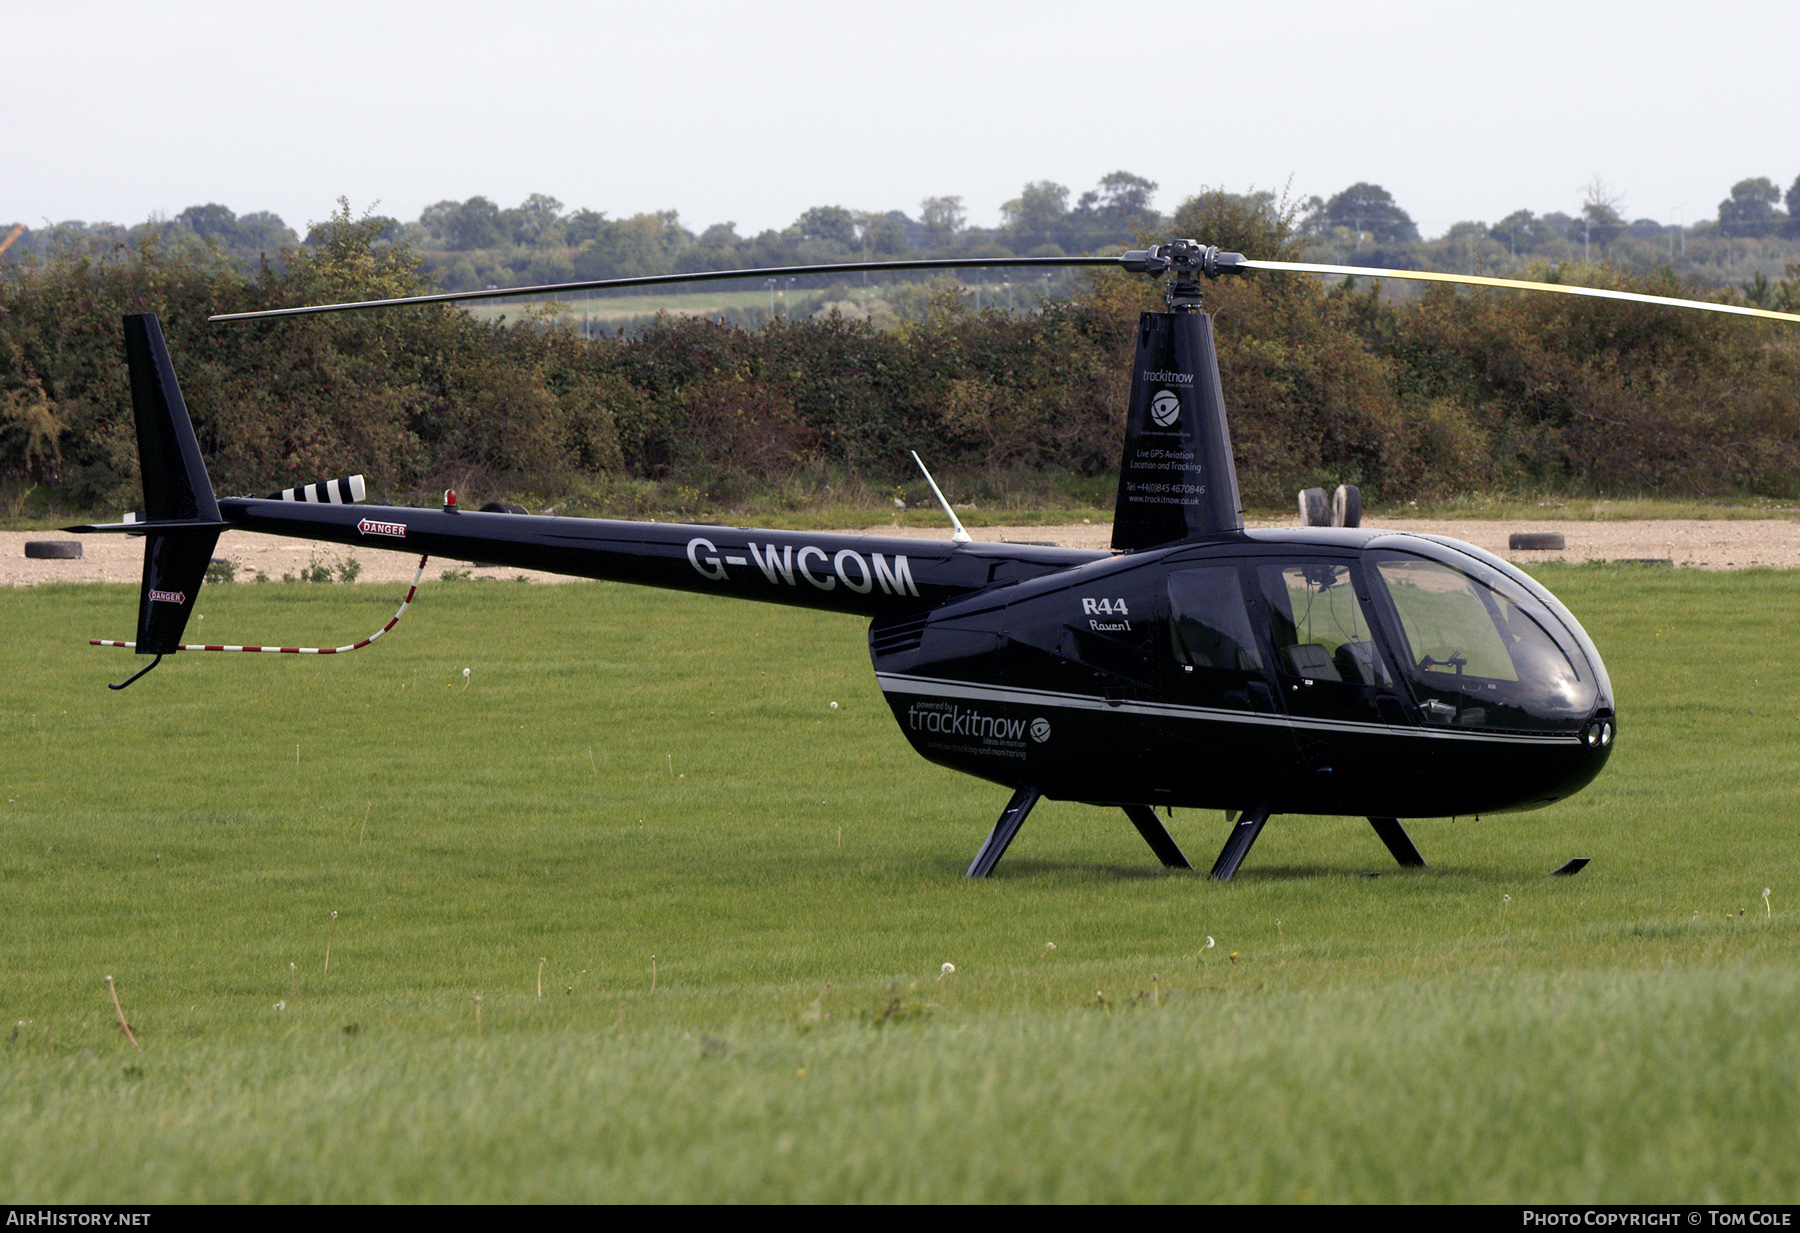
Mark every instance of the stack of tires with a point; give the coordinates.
(1343, 510)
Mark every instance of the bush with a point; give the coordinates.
(1447, 392)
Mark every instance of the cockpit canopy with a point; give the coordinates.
(1479, 652)
(1476, 643)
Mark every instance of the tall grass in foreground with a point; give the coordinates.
(631, 775)
(1491, 1087)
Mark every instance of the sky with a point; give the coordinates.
(751, 113)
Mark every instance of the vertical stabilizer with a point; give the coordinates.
(176, 490)
(1176, 477)
(175, 483)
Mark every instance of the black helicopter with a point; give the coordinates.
(1326, 670)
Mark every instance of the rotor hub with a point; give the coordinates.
(1186, 262)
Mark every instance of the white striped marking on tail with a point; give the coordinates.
(349, 491)
(296, 650)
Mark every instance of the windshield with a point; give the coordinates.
(1478, 657)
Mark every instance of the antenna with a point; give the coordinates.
(959, 536)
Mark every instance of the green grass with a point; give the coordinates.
(1623, 1035)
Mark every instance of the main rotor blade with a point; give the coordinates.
(1477, 280)
(1227, 262)
(658, 280)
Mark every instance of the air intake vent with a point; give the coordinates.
(898, 634)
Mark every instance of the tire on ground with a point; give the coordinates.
(1315, 511)
(53, 549)
(502, 507)
(1346, 506)
(1535, 541)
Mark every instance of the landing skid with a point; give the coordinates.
(1398, 842)
(1013, 817)
(1237, 845)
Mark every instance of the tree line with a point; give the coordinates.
(478, 243)
(1448, 392)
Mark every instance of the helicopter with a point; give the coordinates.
(1338, 670)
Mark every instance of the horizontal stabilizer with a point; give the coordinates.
(142, 526)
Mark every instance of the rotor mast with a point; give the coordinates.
(1177, 480)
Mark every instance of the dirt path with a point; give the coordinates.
(1695, 543)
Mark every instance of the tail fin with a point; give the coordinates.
(1176, 478)
(178, 497)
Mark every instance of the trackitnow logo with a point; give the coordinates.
(952, 720)
(972, 731)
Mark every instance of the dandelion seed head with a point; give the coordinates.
(949, 968)
(1209, 943)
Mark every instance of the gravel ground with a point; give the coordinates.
(1695, 543)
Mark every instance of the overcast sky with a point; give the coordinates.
(752, 112)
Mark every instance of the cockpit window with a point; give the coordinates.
(1447, 626)
(1208, 621)
(1318, 627)
(1477, 656)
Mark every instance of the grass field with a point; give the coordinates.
(739, 901)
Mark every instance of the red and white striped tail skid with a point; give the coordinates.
(298, 650)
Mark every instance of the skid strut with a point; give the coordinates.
(1237, 845)
(1157, 836)
(1011, 819)
(1398, 842)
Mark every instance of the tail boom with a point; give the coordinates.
(866, 575)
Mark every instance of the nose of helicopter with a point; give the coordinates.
(1598, 733)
